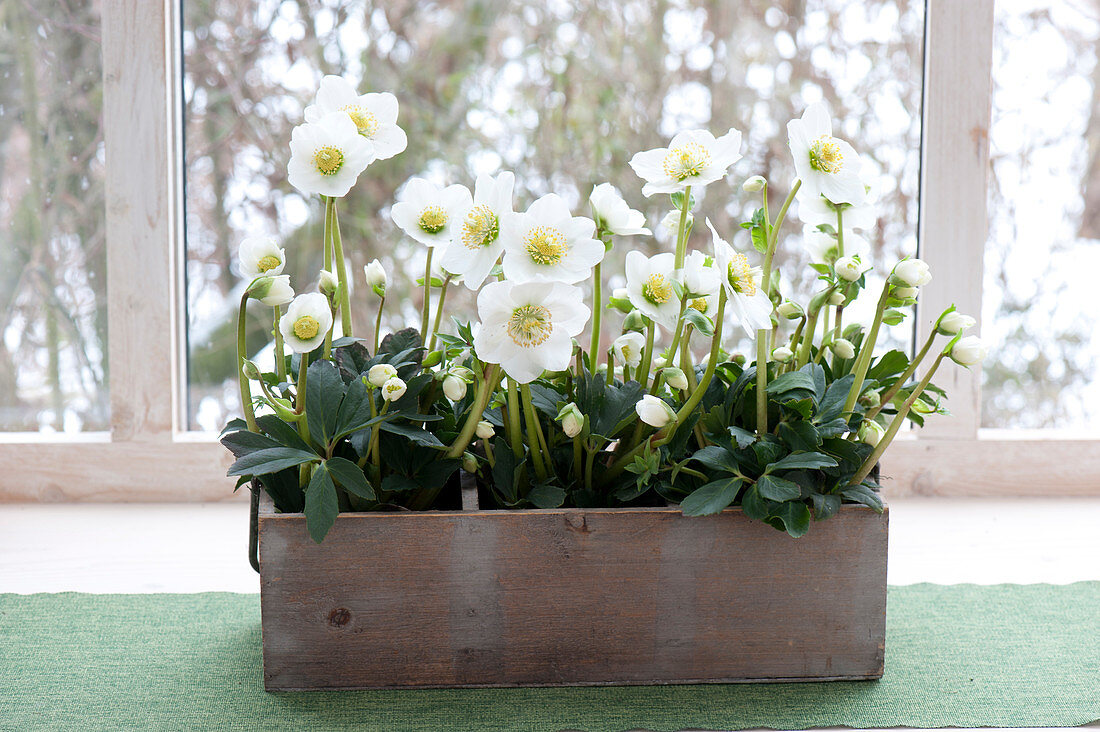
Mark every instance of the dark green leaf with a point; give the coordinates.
(397, 483)
(270, 460)
(825, 505)
(286, 434)
(803, 460)
(711, 498)
(350, 476)
(546, 496)
(415, 434)
(889, 364)
(324, 391)
(742, 436)
(862, 494)
(832, 405)
(355, 410)
(794, 517)
(792, 381)
(242, 442)
(778, 489)
(233, 425)
(767, 451)
(700, 322)
(835, 428)
(403, 340)
(799, 435)
(717, 458)
(754, 505)
(321, 503)
(284, 490)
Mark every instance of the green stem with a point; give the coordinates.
(373, 448)
(300, 408)
(597, 311)
(839, 232)
(578, 465)
(242, 354)
(672, 349)
(681, 238)
(534, 437)
(280, 351)
(647, 356)
(803, 357)
(426, 307)
(326, 257)
(515, 437)
(895, 425)
(378, 323)
(868, 345)
(477, 409)
(909, 370)
(438, 312)
(341, 273)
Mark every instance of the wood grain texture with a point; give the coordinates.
(141, 285)
(569, 597)
(954, 177)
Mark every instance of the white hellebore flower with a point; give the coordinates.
(649, 286)
(374, 115)
(529, 328)
(782, 354)
(670, 224)
(954, 323)
(484, 430)
(825, 164)
(871, 433)
(613, 214)
(824, 247)
(848, 269)
(912, 273)
(327, 282)
(693, 158)
(816, 209)
(454, 387)
(260, 255)
(654, 411)
(327, 156)
(393, 389)
(379, 374)
(306, 322)
(701, 282)
(476, 246)
(272, 291)
(549, 244)
(969, 351)
(429, 213)
(742, 285)
(628, 349)
(572, 420)
(375, 274)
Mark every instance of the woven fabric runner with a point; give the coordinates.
(958, 655)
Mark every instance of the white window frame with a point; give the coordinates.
(148, 455)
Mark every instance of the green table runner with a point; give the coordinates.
(959, 655)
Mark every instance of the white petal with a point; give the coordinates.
(334, 93)
(817, 121)
(390, 141)
(649, 165)
(382, 105)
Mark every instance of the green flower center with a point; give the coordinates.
(433, 219)
(530, 325)
(268, 263)
(657, 289)
(825, 155)
(481, 227)
(328, 160)
(306, 327)
(545, 245)
(686, 161)
(365, 122)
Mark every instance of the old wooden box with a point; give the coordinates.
(569, 597)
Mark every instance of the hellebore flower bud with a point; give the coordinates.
(381, 373)
(653, 411)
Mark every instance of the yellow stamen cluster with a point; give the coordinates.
(268, 263)
(480, 229)
(433, 219)
(530, 325)
(328, 160)
(740, 275)
(686, 161)
(700, 304)
(657, 289)
(306, 327)
(545, 245)
(365, 122)
(825, 155)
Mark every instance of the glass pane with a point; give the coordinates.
(561, 93)
(1039, 312)
(53, 355)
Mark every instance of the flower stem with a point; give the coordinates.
(839, 231)
(578, 457)
(647, 357)
(868, 345)
(341, 273)
(300, 408)
(427, 304)
(242, 354)
(909, 370)
(326, 257)
(895, 425)
(597, 311)
(378, 323)
(372, 449)
(280, 358)
(481, 399)
(681, 233)
(515, 436)
(438, 312)
(534, 433)
(672, 350)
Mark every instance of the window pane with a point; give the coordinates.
(53, 367)
(1039, 314)
(561, 93)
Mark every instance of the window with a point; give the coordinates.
(481, 100)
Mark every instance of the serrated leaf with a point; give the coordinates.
(802, 460)
(243, 442)
(415, 434)
(322, 505)
(279, 430)
(324, 392)
(791, 381)
(889, 364)
(270, 460)
(742, 436)
(778, 489)
(407, 339)
(825, 506)
(862, 494)
(799, 435)
(717, 458)
(711, 498)
(794, 517)
(350, 477)
(754, 505)
(546, 496)
(832, 404)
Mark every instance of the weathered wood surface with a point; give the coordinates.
(569, 597)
